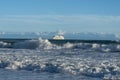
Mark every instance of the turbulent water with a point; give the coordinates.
(43, 60)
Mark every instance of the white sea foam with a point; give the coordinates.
(4, 44)
(46, 44)
(92, 61)
(77, 65)
(33, 44)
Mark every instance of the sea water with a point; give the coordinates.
(42, 60)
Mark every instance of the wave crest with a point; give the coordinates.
(33, 44)
(46, 44)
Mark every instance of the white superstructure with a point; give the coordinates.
(58, 37)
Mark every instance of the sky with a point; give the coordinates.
(65, 15)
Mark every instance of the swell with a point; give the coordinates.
(102, 46)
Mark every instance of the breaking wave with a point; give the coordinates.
(98, 47)
(33, 44)
(46, 44)
(79, 59)
(4, 44)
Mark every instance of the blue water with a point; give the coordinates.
(42, 60)
(27, 75)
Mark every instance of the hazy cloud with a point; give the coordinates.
(82, 22)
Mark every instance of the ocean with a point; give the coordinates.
(43, 59)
